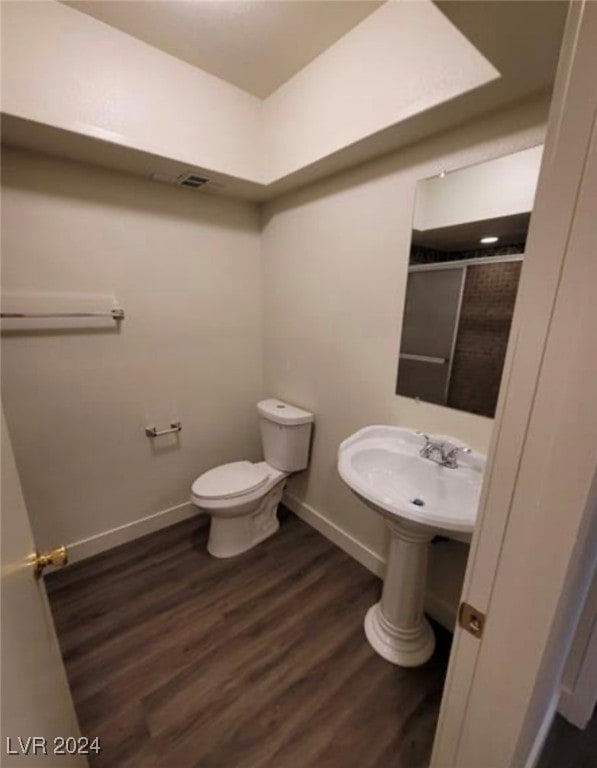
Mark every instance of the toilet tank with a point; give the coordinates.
(285, 434)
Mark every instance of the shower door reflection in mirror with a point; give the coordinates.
(466, 254)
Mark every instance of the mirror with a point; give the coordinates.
(467, 247)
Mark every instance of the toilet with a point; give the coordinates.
(242, 498)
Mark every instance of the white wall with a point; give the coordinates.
(66, 69)
(186, 268)
(403, 59)
(335, 267)
(500, 187)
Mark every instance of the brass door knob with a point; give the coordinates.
(57, 556)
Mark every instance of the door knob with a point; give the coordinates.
(57, 556)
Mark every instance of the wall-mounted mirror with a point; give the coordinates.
(467, 248)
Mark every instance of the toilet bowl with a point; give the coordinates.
(242, 497)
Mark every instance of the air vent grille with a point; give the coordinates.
(191, 180)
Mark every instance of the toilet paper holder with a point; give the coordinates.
(175, 426)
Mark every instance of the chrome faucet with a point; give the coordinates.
(444, 454)
(451, 454)
(432, 449)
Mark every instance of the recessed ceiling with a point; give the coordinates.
(256, 45)
(521, 38)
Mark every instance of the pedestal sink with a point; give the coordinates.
(418, 499)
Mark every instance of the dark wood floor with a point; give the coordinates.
(176, 659)
(569, 747)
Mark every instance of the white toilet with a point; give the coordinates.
(242, 498)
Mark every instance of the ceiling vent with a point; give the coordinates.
(191, 180)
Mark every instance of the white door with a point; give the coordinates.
(535, 546)
(37, 711)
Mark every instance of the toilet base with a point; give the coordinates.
(231, 536)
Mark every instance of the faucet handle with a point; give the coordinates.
(450, 456)
(424, 452)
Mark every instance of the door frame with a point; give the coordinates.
(501, 690)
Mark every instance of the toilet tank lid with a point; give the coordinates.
(283, 413)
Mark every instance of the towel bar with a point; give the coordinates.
(115, 314)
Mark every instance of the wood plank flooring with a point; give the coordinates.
(179, 660)
(568, 747)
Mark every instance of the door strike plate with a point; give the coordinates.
(471, 619)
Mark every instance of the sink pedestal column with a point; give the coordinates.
(396, 626)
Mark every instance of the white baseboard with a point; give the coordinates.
(441, 610)
(100, 542)
(541, 736)
(334, 533)
(565, 705)
(579, 688)
(439, 604)
(578, 704)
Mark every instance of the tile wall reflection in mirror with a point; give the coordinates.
(467, 248)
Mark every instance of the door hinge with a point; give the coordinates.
(471, 619)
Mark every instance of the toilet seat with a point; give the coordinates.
(231, 480)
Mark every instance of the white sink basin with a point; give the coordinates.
(382, 465)
(418, 498)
